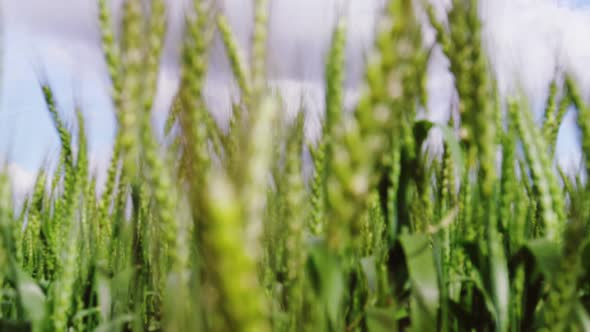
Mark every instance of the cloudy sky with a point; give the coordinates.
(59, 41)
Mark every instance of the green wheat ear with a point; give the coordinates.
(583, 117)
(82, 163)
(159, 176)
(236, 58)
(232, 269)
(257, 158)
(64, 135)
(562, 109)
(66, 207)
(550, 107)
(387, 238)
(259, 45)
(243, 77)
(112, 56)
(155, 45)
(110, 49)
(549, 197)
(334, 108)
(318, 188)
(65, 244)
(195, 160)
(510, 186)
(295, 198)
(131, 84)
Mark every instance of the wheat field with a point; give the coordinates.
(218, 230)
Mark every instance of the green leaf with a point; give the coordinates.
(469, 318)
(328, 281)
(541, 259)
(583, 317)
(116, 324)
(547, 256)
(383, 319)
(86, 313)
(32, 299)
(423, 278)
(479, 261)
(370, 271)
(498, 266)
(421, 130)
(103, 289)
(15, 326)
(586, 257)
(500, 283)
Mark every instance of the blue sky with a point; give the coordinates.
(35, 50)
(58, 40)
(580, 3)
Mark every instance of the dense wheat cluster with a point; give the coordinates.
(217, 230)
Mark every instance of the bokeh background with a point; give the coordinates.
(58, 42)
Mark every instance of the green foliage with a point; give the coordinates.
(219, 232)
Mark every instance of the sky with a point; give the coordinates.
(59, 42)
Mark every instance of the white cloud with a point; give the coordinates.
(65, 19)
(527, 39)
(22, 181)
(530, 39)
